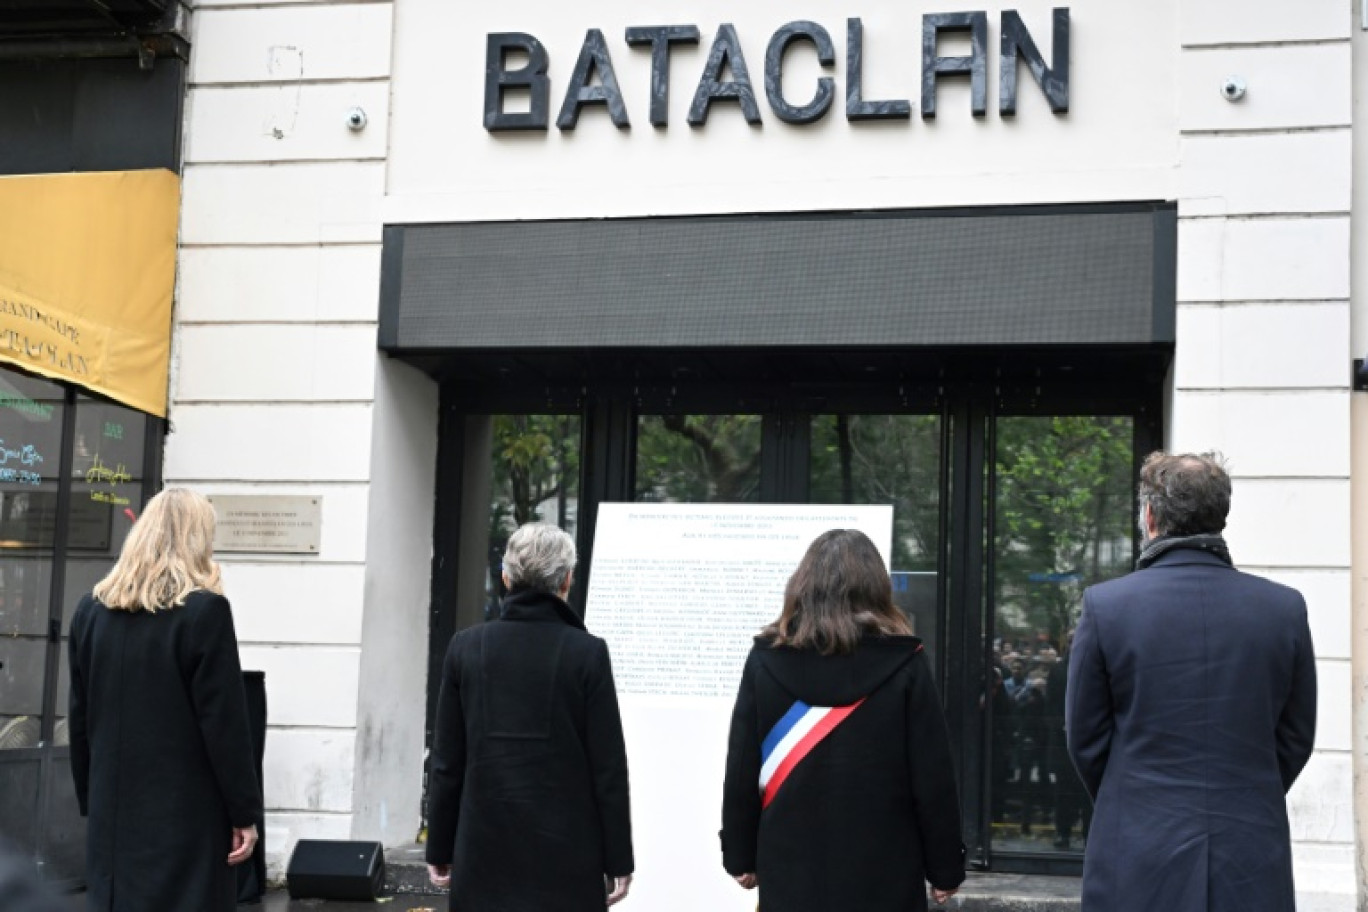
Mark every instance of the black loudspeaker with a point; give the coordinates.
(333, 869)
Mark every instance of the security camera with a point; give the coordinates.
(356, 119)
(1233, 88)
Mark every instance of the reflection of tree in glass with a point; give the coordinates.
(892, 459)
(1063, 517)
(535, 461)
(698, 458)
(535, 477)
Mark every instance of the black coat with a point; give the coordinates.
(1190, 711)
(872, 813)
(161, 753)
(527, 794)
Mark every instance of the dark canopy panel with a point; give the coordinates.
(90, 115)
(1048, 276)
(27, 17)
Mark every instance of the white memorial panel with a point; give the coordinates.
(679, 591)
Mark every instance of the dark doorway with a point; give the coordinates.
(994, 374)
(1011, 492)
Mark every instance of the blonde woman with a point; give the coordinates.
(160, 747)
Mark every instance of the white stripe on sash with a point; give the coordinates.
(799, 731)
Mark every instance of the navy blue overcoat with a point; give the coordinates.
(1190, 711)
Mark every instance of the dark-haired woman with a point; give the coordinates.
(839, 789)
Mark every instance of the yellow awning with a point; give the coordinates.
(87, 271)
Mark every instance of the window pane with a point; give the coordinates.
(534, 477)
(889, 459)
(30, 459)
(698, 458)
(1063, 517)
(106, 492)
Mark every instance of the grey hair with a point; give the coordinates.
(539, 556)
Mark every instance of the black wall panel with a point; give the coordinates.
(1071, 276)
(89, 115)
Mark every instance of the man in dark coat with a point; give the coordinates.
(1190, 711)
(528, 799)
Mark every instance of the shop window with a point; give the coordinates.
(1063, 520)
(72, 480)
(31, 419)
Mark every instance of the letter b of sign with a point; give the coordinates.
(532, 76)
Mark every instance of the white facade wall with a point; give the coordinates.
(1260, 372)
(277, 389)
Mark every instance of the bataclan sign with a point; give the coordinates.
(594, 81)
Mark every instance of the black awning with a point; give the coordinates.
(64, 17)
(1033, 276)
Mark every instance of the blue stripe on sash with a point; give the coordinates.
(781, 728)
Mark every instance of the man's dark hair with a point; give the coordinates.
(1187, 493)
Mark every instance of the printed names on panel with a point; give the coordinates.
(679, 591)
(683, 627)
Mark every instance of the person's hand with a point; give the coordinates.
(942, 896)
(747, 881)
(620, 887)
(243, 840)
(440, 875)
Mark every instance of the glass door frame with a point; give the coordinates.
(1145, 408)
(968, 410)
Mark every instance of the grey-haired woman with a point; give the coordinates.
(528, 803)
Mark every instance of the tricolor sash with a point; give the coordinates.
(793, 737)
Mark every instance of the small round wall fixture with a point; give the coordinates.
(1233, 88)
(356, 119)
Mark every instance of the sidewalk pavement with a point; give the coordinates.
(279, 901)
(981, 893)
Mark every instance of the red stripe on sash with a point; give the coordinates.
(805, 746)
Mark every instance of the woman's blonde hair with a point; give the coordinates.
(168, 555)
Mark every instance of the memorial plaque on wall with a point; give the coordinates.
(276, 523)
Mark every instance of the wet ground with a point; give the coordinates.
(981, 893)
(279, 901)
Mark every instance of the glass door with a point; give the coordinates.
(897, 460)
(697, 458)
(1060, 520)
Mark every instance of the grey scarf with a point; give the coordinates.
(1156, 547)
